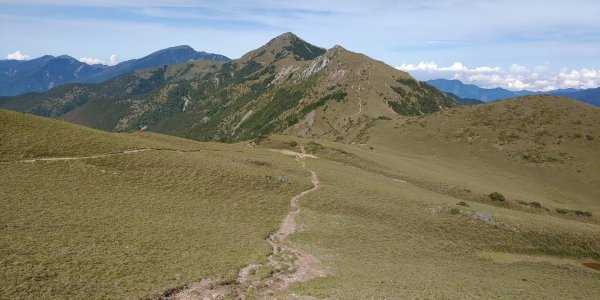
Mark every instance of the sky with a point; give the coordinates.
(514, 44)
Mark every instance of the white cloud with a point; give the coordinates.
(516, 77)
(17, 55)
(112, 60)
(91, 61)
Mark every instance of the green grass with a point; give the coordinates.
(379, 238)
(138, 224)
(406, 215)
(26, 136)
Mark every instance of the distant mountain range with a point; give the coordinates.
(471, 91)
(46, 72)
(287, 85)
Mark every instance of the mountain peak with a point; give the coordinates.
(288, 35)
(283, 40)
(286, 44)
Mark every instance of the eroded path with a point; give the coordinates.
(84, 157)
(125, 152)
(286, 265)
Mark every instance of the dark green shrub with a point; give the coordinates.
(454, 211)
(495, 196)
(582, 213)
(574, 211)
(535, 204)
(293, 144)
(314, 147)
(562, 211)
(462, 203)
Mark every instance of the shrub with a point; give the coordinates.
(462, 203)
(454, 211)
(314, 147)
(535, 204)
(495, 196)
(582, 213)
(293, 144)
(576, 212)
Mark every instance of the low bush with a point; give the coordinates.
(577, 212)
(535, 204)
(495, 196)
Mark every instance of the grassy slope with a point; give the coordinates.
(376, 236)
(537, 148)
(136, 224)
(380, 238)
(26, 136)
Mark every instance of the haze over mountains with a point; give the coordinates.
(43, 73)
(456, 87)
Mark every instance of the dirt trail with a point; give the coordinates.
(287, 264)
(83, 157)
(359, 96)
(359, 102)
(105, 155)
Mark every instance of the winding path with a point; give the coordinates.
(297, 265)
(359, 102)
(359, 97)
(289, 263)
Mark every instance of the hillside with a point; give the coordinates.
(409, 213)
(92, 214)
(287, 85)
(554, 138)
(44, 73)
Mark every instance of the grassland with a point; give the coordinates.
(386, 221)
(405, 215)
(131, 225)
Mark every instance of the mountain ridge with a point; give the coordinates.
(462, 90)
(45, 72)
(286, 85)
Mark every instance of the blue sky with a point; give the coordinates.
(512, 43)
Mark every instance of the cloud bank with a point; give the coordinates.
(17, 55)
(112, 60)
(516, 77)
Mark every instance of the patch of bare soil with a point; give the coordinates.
(592, 265)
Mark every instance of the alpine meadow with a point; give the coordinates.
(294, 171)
